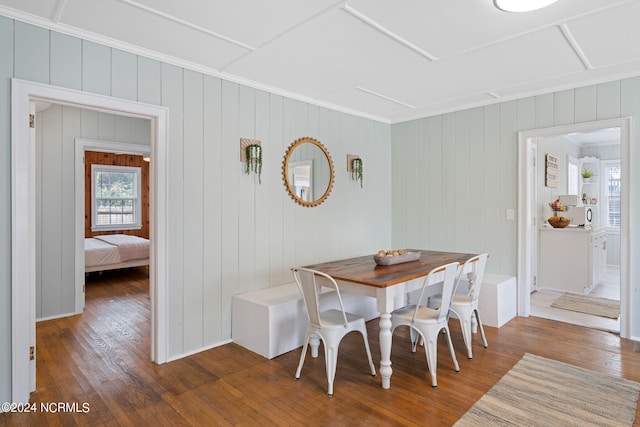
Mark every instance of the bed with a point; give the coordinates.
(112, 251)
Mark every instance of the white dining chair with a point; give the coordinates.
(464, 303)
(425, 323)
(329, 325)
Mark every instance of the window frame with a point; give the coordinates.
(573, 163)
(137, 204)
(604, 194)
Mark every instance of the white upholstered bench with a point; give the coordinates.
(273, 321)
(498, 301)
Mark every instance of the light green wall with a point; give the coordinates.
(227, 233)
(455, 175)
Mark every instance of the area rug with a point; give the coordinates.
(544, 392)
(596, 306)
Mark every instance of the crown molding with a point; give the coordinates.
(168, 59)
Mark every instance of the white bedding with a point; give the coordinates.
(115, 251)
(97, 252)
(130, 247)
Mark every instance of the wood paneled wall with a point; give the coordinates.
(226, 233)
(113, 159)
(455, 175)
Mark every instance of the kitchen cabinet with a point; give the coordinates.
(571, 259)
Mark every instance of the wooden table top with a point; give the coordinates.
(364, 269)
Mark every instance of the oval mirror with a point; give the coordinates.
(307, 171)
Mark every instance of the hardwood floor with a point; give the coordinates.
(100, 361)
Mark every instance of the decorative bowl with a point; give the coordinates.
(559, 221)
(407, 256)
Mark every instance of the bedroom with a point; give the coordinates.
(64, 135)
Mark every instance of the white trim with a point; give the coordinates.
(423, 110)
(199, 350)
(57, 316)
(137, 199)
(23, 242)
(524, 246)
(168, 59)
(604, 197)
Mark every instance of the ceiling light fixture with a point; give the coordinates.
(522, 5)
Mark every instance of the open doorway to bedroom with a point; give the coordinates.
(92, 295)
(112, 206)
(25, 175)
(78, 230)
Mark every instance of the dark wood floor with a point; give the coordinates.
(100, 361)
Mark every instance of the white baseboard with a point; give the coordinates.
(199, 350)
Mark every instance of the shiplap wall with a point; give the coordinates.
(455, 175)
(56, 130)
(227, 234)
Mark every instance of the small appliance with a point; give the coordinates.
(579, 215)
(570, 200)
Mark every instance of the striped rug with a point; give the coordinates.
(543, 392)
(596, 306)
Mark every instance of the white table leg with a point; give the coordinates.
(385, 349)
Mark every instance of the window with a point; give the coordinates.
(572, 175)
(611, 193)
(115, 194)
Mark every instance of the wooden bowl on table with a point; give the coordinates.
(559, 221)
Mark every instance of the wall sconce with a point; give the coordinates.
(354, 165)
(251, 154)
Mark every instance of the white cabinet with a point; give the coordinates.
(571, 259)
(599, 254)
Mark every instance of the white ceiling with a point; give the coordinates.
(607, 136)
(388, 60)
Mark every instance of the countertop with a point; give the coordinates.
(570, 229)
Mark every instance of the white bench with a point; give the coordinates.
(498, 301)
(273, 321)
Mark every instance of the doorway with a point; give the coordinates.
(527, 270)
(23, 245)
(578, 260)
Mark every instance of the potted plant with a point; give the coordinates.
(586, 174)
(254, 160)
(356, 170)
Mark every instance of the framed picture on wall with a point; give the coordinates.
(552, 171)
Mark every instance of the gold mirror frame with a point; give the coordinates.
(285, 170)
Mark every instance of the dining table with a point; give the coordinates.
(389, 284)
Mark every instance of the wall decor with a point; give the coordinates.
(552, 171)
(251, 154)
(307, 171)
(354, 166)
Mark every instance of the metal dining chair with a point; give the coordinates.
(329, 325)
(464, 303)
(425, 322)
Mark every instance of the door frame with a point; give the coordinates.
(525, 246)
(23, 223)
(533, 220)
